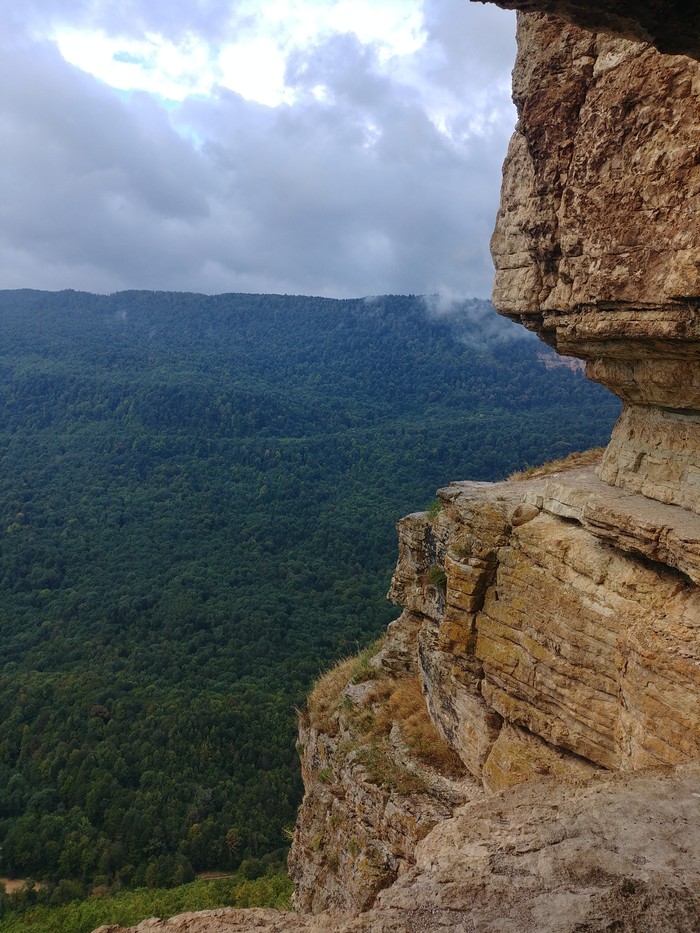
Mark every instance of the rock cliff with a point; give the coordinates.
(378, 777)
(523, 751)
(597, 244)
(554, 635)
(555, 621)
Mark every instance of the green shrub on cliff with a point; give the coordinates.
(437, 577)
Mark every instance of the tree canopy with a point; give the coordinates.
(197, 505)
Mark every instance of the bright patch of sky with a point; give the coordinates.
(151, 64)
(250, 56)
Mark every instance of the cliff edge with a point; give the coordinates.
(552, 652)
(555, 621)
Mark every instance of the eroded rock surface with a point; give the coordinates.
(596, 235)
(602, 855)
(552, 622)
(377, 778)
(656, 451)
(597, 245)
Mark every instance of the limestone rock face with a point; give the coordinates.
(634, 524)
(354, 835)
(656, 451)
(556, 625)
(518, 756)
(553, 856)
(369, 797)
(597, 243)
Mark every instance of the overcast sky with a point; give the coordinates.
(328, 147)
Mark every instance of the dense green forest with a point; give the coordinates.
(197, 507)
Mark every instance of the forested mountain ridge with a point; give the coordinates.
(198, 496)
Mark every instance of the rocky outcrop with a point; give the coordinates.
(552, 856)
(563, 629)
(634, 524)
(378, 777)
(555, 625)
(656, 451)
(597, 245)
(596, 238)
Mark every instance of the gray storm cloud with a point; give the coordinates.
(356, 192)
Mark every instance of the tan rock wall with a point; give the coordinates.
(353, 836)
(656, 452)
(597, 241)
(548, 638)
(555, 622)
(518, 756)
(631, 523)
(601, 190)
(594, 651)
(452, 684)
(660, 687)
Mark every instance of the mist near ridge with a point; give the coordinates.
(474, 321)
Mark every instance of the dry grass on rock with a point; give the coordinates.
(407, 706)
(574, 460)
(367, 723)
(324, 700)
(322, 703)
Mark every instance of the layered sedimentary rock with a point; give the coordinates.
(565, 630)
(597, 242)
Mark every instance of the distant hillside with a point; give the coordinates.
(197, 507)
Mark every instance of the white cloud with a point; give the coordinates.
(329, 148)
(255, 70)
(151, 64)
(249, 55)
